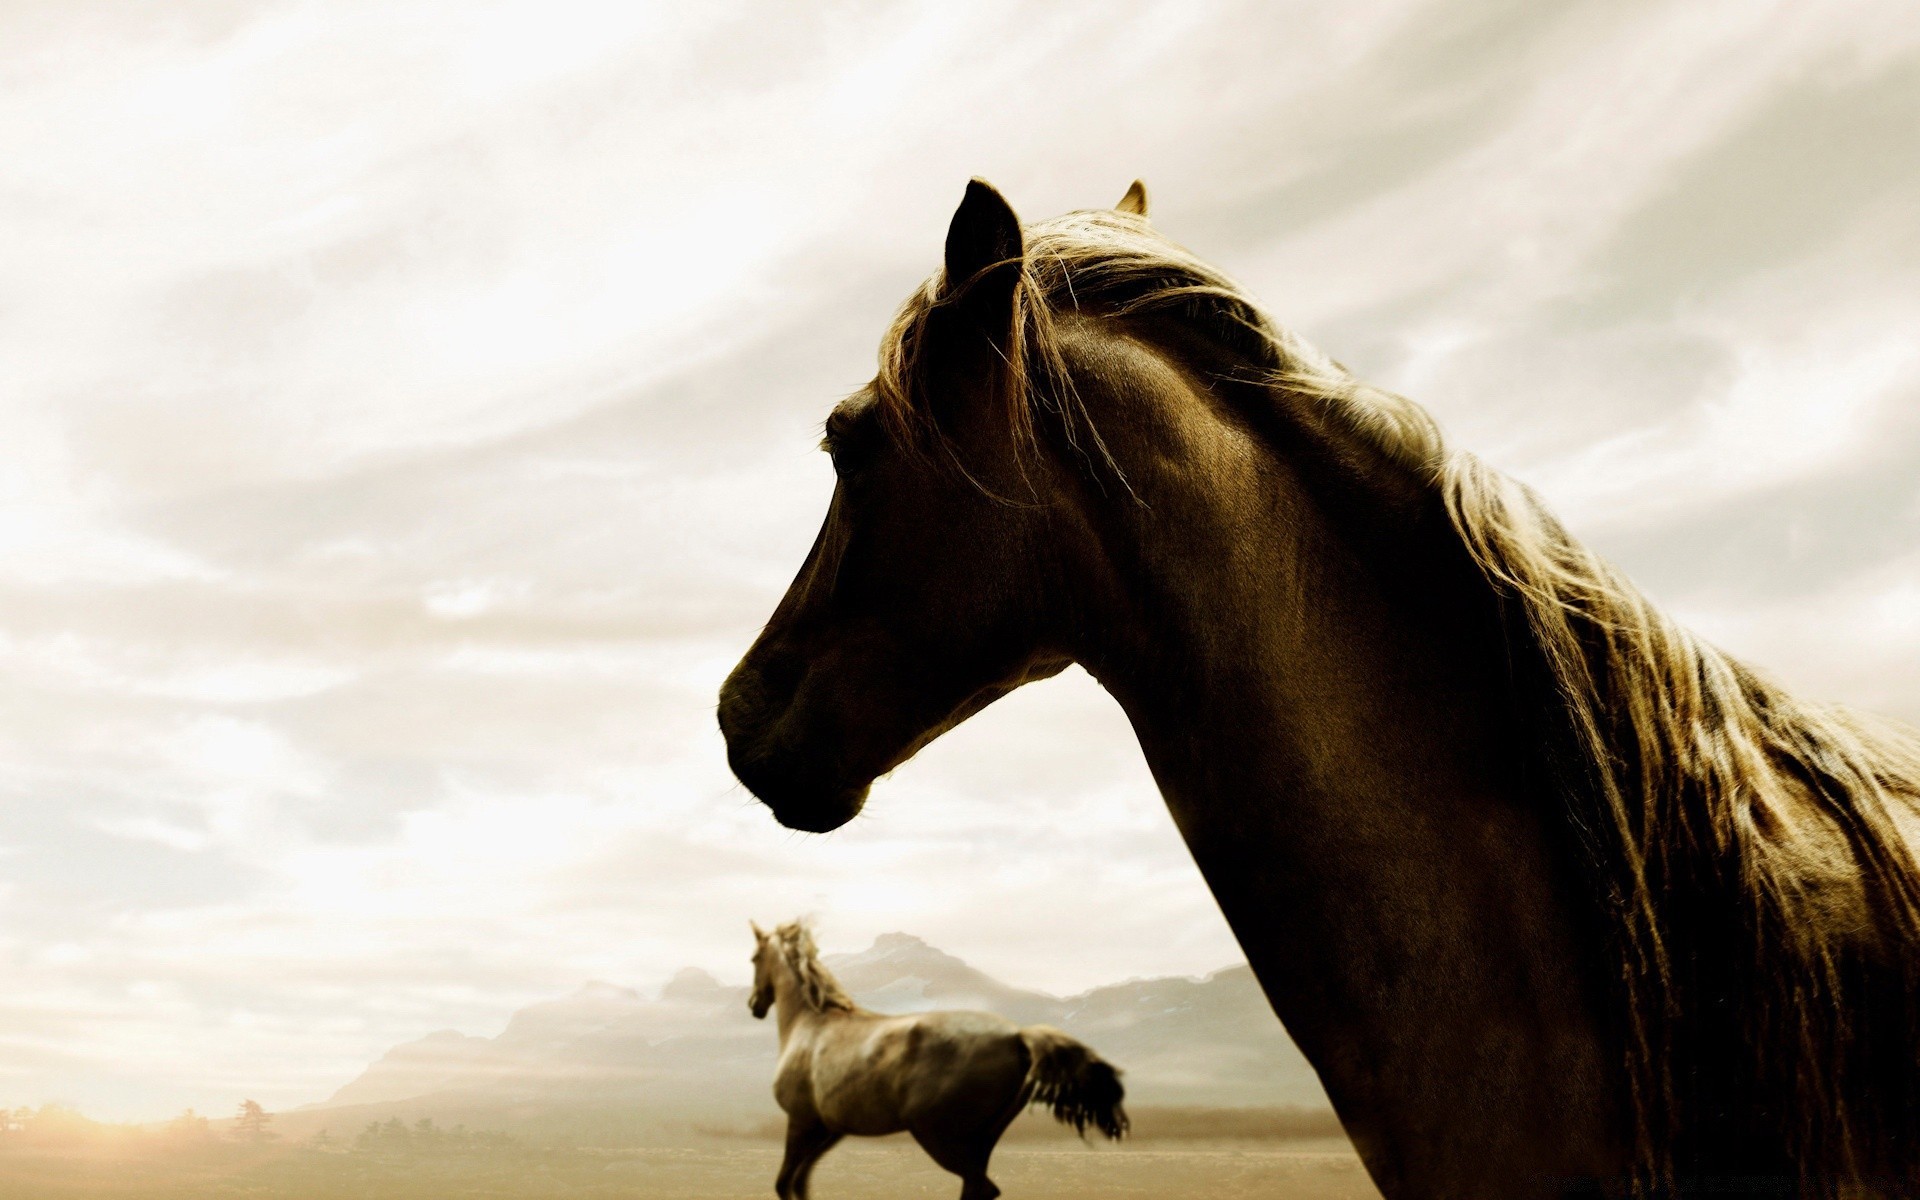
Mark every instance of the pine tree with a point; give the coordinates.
(251, 1124)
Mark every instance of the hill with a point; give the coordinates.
(607, 1064)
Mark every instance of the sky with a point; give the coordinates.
(408, 415)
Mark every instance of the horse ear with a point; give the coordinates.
(1135, 201)
(759, 934)
(984, 247)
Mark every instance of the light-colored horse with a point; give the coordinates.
(1545, 887)
(954, 1080)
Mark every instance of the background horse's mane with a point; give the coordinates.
(1745, 846)
(819, 990)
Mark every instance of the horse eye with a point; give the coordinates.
(851, 443)
(849, 454)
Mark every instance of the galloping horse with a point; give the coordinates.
(1554, 895)
(954, 1080)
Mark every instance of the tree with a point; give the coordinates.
(251, 1124)
(189, 1126)
(389, 1138)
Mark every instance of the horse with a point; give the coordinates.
(954, 1080)
(1554, 895)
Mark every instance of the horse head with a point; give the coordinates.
(940, 580)
(766, 958)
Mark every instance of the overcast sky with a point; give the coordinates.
(407, 414)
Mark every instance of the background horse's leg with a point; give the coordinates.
(803, 1173)
(807, 1140)
(960, 1131)
(965, 1148)
(962, 1152)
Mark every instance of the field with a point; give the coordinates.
(1315, 1169)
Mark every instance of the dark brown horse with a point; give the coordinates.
(1553, 895)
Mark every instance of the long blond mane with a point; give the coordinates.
(1746, 846)
(819, 990)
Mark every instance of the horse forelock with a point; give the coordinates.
(819, 990)
(1706, 798)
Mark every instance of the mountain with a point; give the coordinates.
(901, 973)
(693, 1056)
(1211, 1041)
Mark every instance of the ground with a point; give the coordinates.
(1307, 1169)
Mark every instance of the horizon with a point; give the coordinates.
(642, 993)
(744, 979)
(412, 412)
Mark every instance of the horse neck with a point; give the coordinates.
(792, 1012)
(1317, 679)
(790, 1008)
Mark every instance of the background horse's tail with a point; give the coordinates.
(1079, 1086)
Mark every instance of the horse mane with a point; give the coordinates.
(1744, 846)
(819, 990)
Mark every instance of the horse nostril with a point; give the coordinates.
(729, 711)
(760, 687)
(780, 674)
(743, 702)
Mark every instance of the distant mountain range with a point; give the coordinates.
(609, 1062)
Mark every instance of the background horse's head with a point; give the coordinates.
(787, 961)
(936, 584)
(766, 961)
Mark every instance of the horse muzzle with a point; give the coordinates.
(797, 801)
(804, 788)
